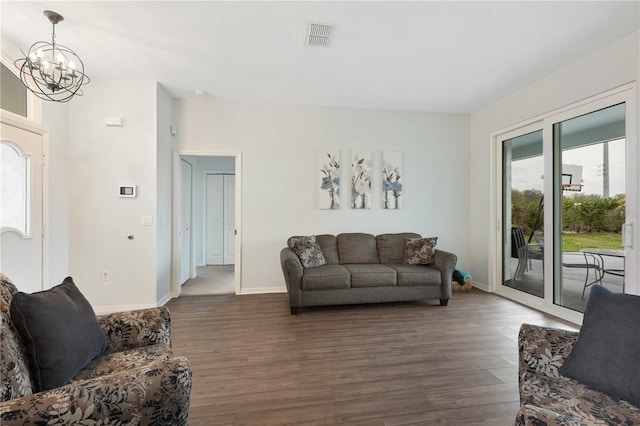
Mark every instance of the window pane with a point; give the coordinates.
(14, 95)
(14, 186)
(523, 168)
(590, 200)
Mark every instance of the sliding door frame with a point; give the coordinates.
(503, 235)
(624, 94)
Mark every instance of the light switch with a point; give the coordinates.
(113, 121)
(147, 220)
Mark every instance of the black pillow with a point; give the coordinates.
(606, 356)
(60, 332)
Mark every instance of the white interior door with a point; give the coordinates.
(21, 207)
(186, 172)
(229, 219)
(215, 219)
(220, 219)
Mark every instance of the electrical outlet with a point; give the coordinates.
(105, 275)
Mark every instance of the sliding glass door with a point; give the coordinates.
(589, 209)
(522, 213)
(567, 186)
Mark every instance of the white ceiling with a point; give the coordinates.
(413, 56)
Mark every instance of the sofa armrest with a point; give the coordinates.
(543, 350)
(532, 415)
(134, 329)
(445, 262)
(293, 271)
(156, 394)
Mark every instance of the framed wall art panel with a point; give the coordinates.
(392, 172)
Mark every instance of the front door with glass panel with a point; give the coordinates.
(21, 207)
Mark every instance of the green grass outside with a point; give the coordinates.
(575, 242)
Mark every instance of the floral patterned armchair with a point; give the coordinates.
(138, 381)
(547, 398)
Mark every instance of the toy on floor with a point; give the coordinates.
(461, 281)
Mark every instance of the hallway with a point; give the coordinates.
(212, 279)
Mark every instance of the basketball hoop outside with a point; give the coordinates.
(573, 187)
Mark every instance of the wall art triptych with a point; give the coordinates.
(361, 179)
(391, 180)
(329, 172)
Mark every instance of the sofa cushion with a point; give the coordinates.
(127, 360)
(329, 245)
(357, 248)
(308, 251)
(60, 332)
(15, 379)
(606, 355)
(420, 251)
(371, 275)
(391, 247)
(412, 275)
(326, 277)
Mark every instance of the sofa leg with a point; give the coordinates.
(444, 302)
(294, 310)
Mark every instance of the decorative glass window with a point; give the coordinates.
(13, 95)
(15, 189)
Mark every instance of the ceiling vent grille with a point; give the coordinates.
(319, 35)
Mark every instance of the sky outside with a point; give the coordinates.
(528, 173)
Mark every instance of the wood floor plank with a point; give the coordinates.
(473, 396)
(390, 364)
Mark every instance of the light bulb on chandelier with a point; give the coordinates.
(51, 71)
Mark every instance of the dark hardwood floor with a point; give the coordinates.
(389, 364)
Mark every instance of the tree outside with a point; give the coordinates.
(582, 214)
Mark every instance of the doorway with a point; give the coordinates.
(22, 202)
(186, 233)
(215, 211)
(523, 203)
(567, 192)
(590, 202)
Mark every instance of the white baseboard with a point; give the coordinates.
(262, 290)
(481, 286)
(105, 310)
(164, 300)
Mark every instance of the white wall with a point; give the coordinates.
(279, 146)
(100, 159)
(605, 69)
(202, 164)
(163, 208)
(55, 117)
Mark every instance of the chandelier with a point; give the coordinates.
(52, 71)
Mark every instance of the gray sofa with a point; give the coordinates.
(363, 268)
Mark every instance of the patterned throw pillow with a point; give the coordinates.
(420, 251)
(308, 251)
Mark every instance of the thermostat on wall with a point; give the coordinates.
(128, 191)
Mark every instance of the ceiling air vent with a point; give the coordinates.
(319, 35)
